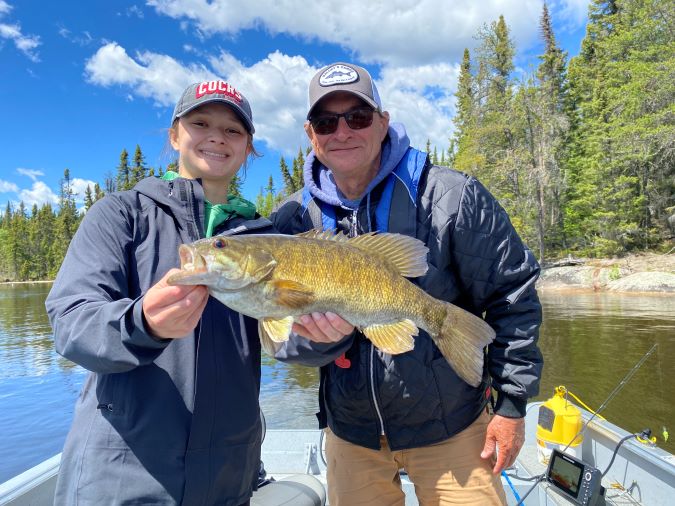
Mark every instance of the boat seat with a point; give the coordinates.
(294, 490)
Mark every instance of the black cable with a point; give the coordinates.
(529, 491)
(616, 450)
(520, 478)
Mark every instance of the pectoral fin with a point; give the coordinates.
(290, 294)
(393, 338)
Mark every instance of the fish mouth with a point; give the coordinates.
(190, 260)
(193, 267)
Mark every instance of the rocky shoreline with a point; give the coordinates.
(649, 273)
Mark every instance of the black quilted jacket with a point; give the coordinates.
(476, 261)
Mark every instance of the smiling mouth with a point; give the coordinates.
(211, 154)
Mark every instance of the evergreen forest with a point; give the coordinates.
(580, 151)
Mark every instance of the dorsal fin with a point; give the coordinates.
(326, 235)
(406, 254)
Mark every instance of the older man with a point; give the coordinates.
(412, 411)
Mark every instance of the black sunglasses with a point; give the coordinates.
(327, 123)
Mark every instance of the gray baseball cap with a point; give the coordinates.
(343, 77)
(198, 94)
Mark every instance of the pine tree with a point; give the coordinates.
(88, 198)
(19, 254)
(123, 181)
(540, 106)
(67, 221)
(98, 193)
(235, 186)
(289, 184)
(496, 161)
(139, 170)
(298, 164)
(622, 157)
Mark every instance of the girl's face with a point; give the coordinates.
(212, 143)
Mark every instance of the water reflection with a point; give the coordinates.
(26, 346)
(591, 341)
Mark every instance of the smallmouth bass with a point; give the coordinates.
(277, 278)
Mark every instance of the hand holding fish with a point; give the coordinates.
(323, 327)
(173, 311)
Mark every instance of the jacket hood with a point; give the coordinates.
(167, 193)
(321, 184)
(177, 197)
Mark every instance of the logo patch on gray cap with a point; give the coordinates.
(338, 74)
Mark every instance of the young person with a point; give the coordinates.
(386, 412)
(169, 411)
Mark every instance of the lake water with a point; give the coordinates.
(590, 341)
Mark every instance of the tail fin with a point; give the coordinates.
(462, 339)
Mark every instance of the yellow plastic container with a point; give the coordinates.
(559, 424)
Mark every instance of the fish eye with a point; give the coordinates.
(219, 244)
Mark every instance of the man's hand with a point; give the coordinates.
(173, 311)
(506, 434)
(323, 328)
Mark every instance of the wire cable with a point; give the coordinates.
(616, 450)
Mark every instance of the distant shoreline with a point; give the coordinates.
(648, 274)
(25, 282)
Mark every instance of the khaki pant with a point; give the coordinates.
(446, 473)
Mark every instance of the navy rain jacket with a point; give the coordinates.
(167, 422)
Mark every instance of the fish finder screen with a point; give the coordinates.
(566, 475)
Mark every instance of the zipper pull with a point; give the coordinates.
(107, 407)
(353, 232)
(343, 362)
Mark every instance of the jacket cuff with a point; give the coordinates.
(135, 331)
(510, 406)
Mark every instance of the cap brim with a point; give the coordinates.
(238, 111)
(358, 94)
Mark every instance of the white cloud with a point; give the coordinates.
(79, 187)
(419, 96)
(414, 47)
(134, 11)
(6, 186)
(38, 194)
(422, 98)
(24, 43)
(572, 13)
(31, 173)
(158, 77)
(402, 32)
(81, 40)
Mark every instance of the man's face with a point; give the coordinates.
(350, 154)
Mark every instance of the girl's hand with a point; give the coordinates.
(173, 311)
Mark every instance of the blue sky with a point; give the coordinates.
(83, 80)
